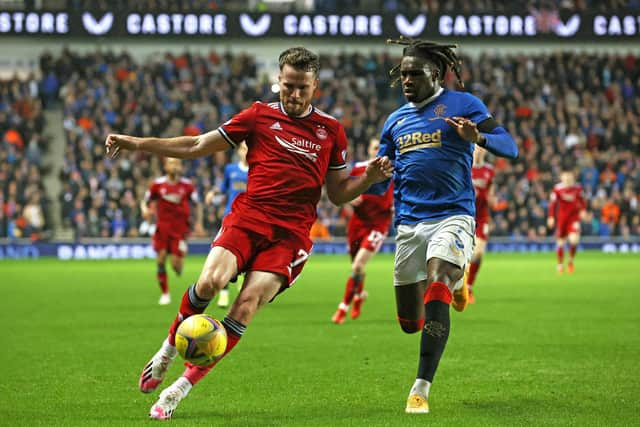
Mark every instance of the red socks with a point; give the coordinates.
(473, 270)
(162, 281)
(560, 254)
(235, 330)
(438, 291)
(191, 304)
(354, 286)
(195, 373)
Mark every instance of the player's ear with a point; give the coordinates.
(435, 74)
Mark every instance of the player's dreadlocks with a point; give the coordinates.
(441, 54)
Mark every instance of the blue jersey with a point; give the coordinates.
(432, 178)
(234, 182)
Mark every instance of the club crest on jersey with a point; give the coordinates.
(301, 146)
(438, 112)
(321, 133)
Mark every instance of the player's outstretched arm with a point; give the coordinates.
(486, 134)
(342, 188)
(181, 147)
(144, 210)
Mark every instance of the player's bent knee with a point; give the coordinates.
(411, 326)
(215, 280)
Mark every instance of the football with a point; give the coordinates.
(201, 339)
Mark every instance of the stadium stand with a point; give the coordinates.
(561, 106)
(23, 200)
(165, 96)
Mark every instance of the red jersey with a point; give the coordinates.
(374, 209)
(172, 209)
(566, 201)
(288, 160)
(482, 177)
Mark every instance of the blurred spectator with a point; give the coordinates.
(319, 231)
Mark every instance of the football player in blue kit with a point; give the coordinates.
(431, 138)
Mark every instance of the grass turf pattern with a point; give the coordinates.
(537, 348)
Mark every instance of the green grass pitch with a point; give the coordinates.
(536, 349)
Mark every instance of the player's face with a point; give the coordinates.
(374, 146)
(296, 89)
(173, 166)
(567, 178)
(418, 78)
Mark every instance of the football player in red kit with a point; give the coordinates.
(482, 175)
(367, 229)
(172, 194)
(293, 149)
(566, 207)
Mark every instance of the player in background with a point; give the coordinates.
(293, 150)
(566, 207)
(482, 175)
(432, 139)
(171, 194)
(366, 231)
(234, 182)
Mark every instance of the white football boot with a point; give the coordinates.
(154, 371)
(169, 399)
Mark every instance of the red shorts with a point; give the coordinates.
(482, 228)
(567, 225)
(174, 244)
(279, 251)
(369, 237)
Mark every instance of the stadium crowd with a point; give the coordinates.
(23, 200)
(562, 107)
(166, 96)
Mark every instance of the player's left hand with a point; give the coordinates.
(465, 128)
(379, 169)
(551, 222)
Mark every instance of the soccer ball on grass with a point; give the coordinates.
(201, 339)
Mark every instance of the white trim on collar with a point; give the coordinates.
(428, 100)
(307, 114)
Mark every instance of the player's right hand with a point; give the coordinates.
(379, 169)
(116, 143)
(551, 222)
